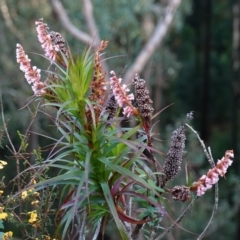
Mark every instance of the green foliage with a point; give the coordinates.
(121, 22)
(1, 227)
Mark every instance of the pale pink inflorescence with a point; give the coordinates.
(212, 177)
(121, 96)
(32, 74)
(45, 38)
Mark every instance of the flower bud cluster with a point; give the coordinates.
(181, 193)
(142, 97)
(172, 164)
(111, 107)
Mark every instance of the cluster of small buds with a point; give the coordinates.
(59, 43)
(207, 181)
(52, 42)
(121, 96)
(32, 74)
(181, 193)
(111, 107)
(142, 97)
(172, 164)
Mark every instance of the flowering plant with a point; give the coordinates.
(103, 170)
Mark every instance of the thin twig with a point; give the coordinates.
(211, 162)
(154, 229)
(154, 41)
(67, 24)
(95, 236)
(88, 14)
(177, 220)
(82, 231)
(8, 19)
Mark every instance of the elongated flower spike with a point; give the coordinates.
(173, 161)
(32, 74)
(51, 42)
(98, 84)
(45, 39)
(207, 181)
(142, 98)
(123, 99)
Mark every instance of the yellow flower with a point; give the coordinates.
(36, 194)
(3, 215)
(34, 181)
(2, 164)
(24, 194)
(33, 217)
(1, 192)
(35, 202)
(7, 235)
(31, 190)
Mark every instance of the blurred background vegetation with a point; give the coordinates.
(196, 67)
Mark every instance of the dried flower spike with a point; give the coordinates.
(181, 193)
(111, 107)
(207, 181)
(59, 42)
(172, 164)
(98, 84)
(32, 74)
(142, 98)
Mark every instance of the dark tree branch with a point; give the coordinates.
(67, 24)
(93, 39)
(154, 41)
(150, 47)
(88, 14)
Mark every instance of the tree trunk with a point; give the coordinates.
(205, 122)
(236, 92)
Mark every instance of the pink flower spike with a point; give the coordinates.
(38, 88)
(22, 58)
(208, 183)
(120, 94)
(32, 74)
(212, 177)
(45, 39)
(127, 111)
(202, 178)
(201, 190)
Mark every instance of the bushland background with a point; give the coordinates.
(194, 65)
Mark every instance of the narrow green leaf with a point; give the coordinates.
(128, 173)
(111, 205)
